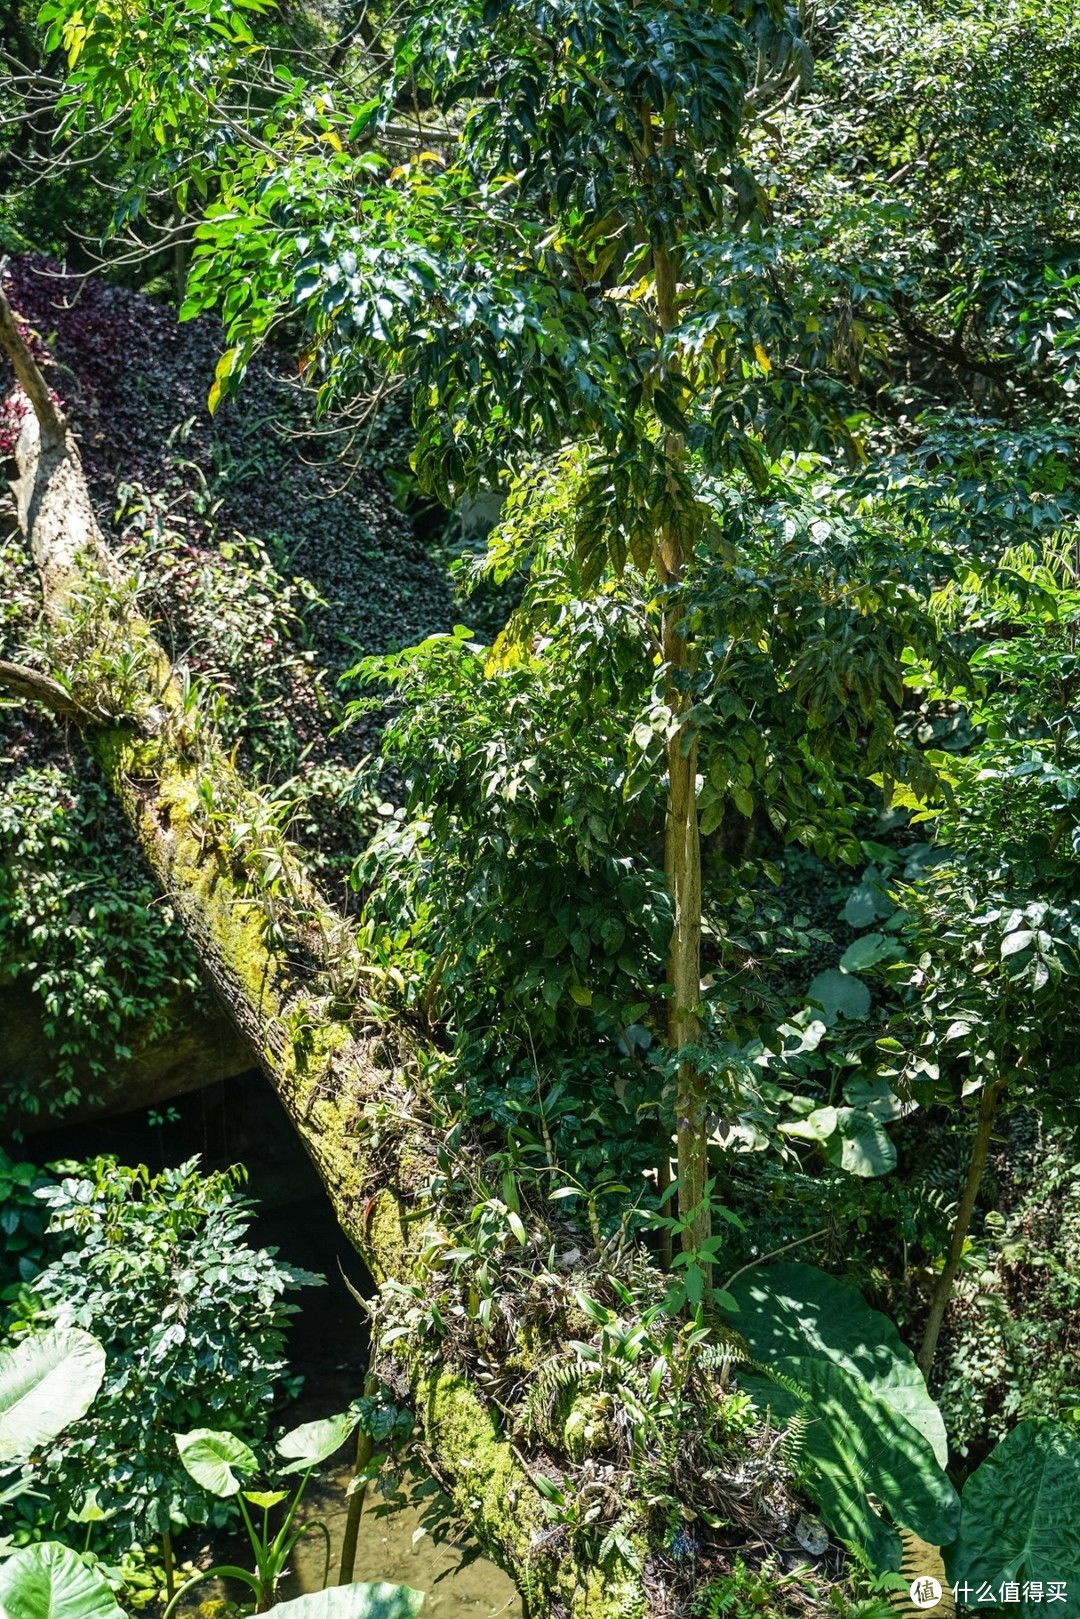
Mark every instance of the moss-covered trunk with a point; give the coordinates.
(285, 969)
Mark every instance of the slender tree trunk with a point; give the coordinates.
(682, 853)
(939, 1302)
(683, 862)
(663, 1183)
(365, 1447)
(170, 1569)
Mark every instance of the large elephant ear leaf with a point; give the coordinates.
(314, 1442)
(800, 1310)
(49, 1581)
(359, 1601)
(215, 1460)
(853, 1446)
(46, 1382)
(1020, 1517)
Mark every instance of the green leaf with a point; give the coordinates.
(839, 995)
(865, 904)
(818, 1126)
(876, 1097)
(1020, 1517)
(214, 1460)
(266, 1499)
(861, 1145)
(799, 1310)
(856, 1446)
(49, 1581)
(868, 951)
(46, 1382)
(313, 1442)
(222, 372)
(359, 1601)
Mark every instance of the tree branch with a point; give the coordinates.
(31, 381)
(34, 687)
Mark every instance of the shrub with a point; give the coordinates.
(193, 1324)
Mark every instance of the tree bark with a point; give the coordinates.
(32, 686)
(288, 974)
(682, 855)
(683, 864)
(939, 1301)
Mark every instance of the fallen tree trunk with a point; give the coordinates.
(286, 968)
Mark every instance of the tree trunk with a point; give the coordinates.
(939, 1302)
(683, 863)
(365, 1449)
(285, 968)
(682, 855)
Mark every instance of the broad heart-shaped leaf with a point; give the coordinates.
(866, 903)
(868, 950)
(357, 1601)
(876, 1097)
(860, 1144)
(313, 1442)
(49, 1581)
(854, 1445)
(214, 1460)
(800, 1310)
(1020, 1513)
(839, 995)
(46, 1382)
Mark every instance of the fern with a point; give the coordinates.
(781, 1379)
(721, 1359)
(794, 1442)
(948, 1166)
(562, 1380)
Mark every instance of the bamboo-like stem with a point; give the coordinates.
(682, 851)
(170, 1566)
(939, 1301)
(365, 1446)
(663, 1182)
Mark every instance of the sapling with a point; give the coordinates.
(218, 1462)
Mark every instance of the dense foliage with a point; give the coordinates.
(192, 1322)
(735, 873)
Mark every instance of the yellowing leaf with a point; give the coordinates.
(222, 371)
(762, 358)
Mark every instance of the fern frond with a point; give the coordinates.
(794, 1441)
(559, 1381)
(781, 1379)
